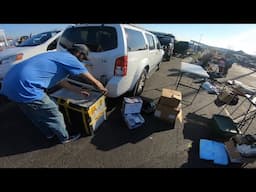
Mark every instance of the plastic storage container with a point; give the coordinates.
(224, 126)
(81, 114)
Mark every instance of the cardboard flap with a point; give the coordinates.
(170, 97)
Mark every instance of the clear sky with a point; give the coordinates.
(17, 30)
(232, 36)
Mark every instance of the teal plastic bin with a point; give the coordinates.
(224, 126)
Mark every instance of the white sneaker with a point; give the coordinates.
(50, 137)
(71, 138)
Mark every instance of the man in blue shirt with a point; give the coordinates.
(27, 81)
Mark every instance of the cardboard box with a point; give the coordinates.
(131, 105)
(179, 117)
(170, 98)
(169, 105)
(234, 155)
(168, 113)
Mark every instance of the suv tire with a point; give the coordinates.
(139, 86)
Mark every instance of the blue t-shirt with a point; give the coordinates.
(26, 81)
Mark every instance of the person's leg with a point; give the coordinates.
(47, 117)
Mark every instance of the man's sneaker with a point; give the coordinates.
(71, 138)
(50, 137)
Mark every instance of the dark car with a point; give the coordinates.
(181, 47)
(167, 43)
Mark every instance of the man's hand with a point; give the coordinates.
(101, 88)
(95, 81)
(73, 88)
(84, 92)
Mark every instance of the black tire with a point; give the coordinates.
(168, 58)
(139, 86)
(158, 66)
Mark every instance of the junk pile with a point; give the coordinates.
(242, 88)
(246, 144)
(239, 149)
(210, 88)
(226, 96)
(242, 148)
(131, 109)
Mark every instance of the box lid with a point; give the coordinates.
(171, 93)
(77, 99)
(132, 105)
(170, 97)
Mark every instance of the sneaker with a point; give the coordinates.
(71, 138)
(50, 137)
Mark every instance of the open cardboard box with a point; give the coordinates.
(169, 105)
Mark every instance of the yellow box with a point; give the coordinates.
(81, 114)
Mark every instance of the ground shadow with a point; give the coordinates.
(17, 134)
(174, 72)
(114, 132)
(196, 128)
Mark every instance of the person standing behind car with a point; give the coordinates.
(26, 83)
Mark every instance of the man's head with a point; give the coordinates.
(81, 51)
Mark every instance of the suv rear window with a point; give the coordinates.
(135, 40)
(97, 39)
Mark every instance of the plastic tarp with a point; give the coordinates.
(212, 150)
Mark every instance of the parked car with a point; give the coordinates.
(181, 47)
(121, 56)
(167, 43)
(42, 42)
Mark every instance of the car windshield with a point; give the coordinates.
(38, 39)
(96, 38)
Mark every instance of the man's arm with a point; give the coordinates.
(79, 90)
(96, 82)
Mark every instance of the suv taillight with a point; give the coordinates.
(121, 66)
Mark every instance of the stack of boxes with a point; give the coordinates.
(131, 109)
(169, 106)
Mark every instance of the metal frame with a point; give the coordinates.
(179, 83)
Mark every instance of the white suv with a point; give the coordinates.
(121, 56)
(42, 42)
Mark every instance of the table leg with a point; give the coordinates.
(178, 80)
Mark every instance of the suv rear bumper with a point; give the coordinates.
(117, 86)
